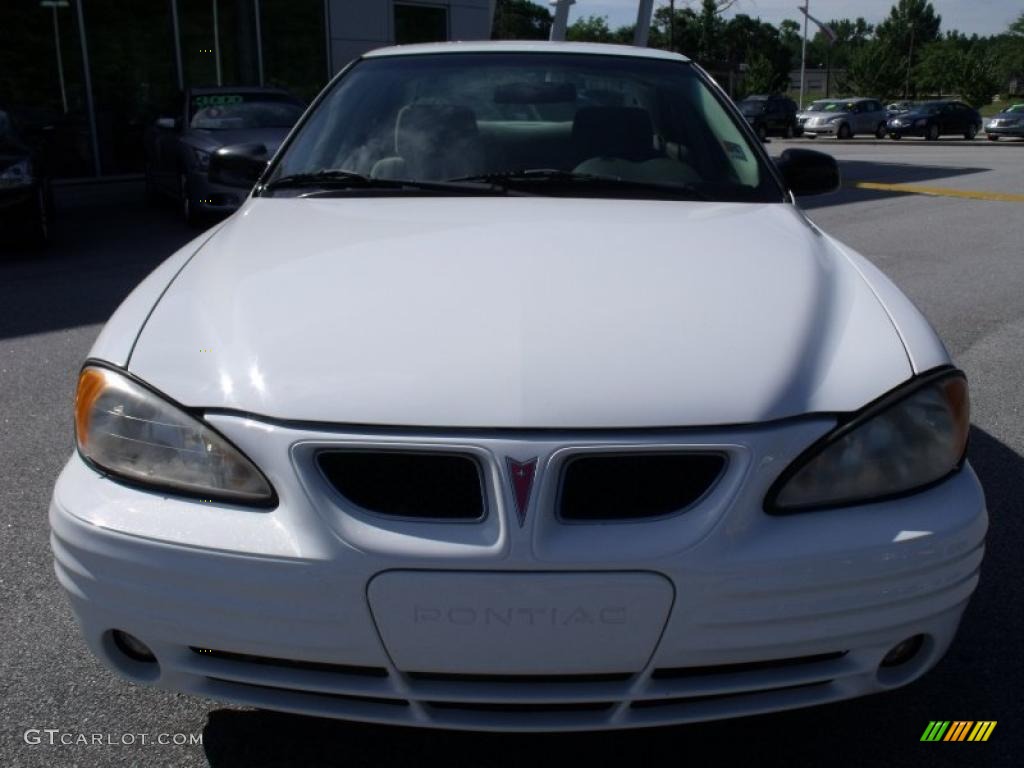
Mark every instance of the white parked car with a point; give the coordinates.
(520, 394)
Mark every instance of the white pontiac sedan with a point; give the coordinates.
(520, 395)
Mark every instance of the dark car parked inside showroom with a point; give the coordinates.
(771, 115)
(1009, 122)
(25, 199)
(178, 148)
(933, 119)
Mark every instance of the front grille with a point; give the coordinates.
(569, 701)
(635, 485)
(309, 666)
(409, 484)
(670, 673)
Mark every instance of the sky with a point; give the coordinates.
(984, 17)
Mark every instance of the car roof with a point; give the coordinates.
(526, 46)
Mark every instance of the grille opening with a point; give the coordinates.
(309, 666)
(674, 702)
(410, 484)
(606, 677)
(676, 673)
(582, 706)
(344, 697)
(636, 485)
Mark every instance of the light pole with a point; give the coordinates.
(54, 5)
(216, 42)
(805, 8)
(561, 20)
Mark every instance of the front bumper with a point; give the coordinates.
(270, 609)
(1005, 130)
(208, 197)
(825, 129)
(18, 204)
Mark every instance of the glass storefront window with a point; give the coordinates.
(299, 68)
(420, 24)
(132, 62)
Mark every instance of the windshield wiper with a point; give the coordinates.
(332, 179)
(532, 176)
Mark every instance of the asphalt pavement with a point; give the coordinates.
(961, 259)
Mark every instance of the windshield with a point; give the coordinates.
(233, 111)
(446, 117)
(751, 108)
(839, 106)
(1016, 109)
(818, 106)
(929, 107)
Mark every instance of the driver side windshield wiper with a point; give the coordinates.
(531, 176)
(333, 179)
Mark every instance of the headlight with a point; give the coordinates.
(909, 439)
(17, 175)
(921, 123)
(202, 159)
(129, 431)
(835, 119)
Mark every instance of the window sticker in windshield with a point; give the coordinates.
(734, 150)
(216, 100)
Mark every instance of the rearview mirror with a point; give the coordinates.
(238, 165)
(807, 172)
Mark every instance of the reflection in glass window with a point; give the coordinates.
(420, 24)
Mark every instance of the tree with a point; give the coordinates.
(679, 33)
(1017, 27)
(521, 20)
(934, 71)
(592, 29)
(974, 77)
(874, 70)
(762, 76)
(709, 48)
(911, 24)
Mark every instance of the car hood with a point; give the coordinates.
(520, 312)
(211, 140)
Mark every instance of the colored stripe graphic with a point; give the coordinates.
(958, 730)
(982, 730)
(935, 730)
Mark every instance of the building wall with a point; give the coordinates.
(358, 26)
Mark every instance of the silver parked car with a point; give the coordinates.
(845, 118)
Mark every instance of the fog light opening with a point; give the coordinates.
(903, 652)
(133, 648)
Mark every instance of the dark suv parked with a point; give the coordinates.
(771, 115)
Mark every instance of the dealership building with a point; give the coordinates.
(89, 76)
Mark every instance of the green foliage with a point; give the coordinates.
(974, 77)
(521, 20)
(762, 76)
(876, 69)
(1017, 27)
(592, 29)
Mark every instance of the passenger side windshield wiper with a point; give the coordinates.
(335, 179)
(554, 176)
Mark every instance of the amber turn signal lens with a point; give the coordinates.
(91, 383)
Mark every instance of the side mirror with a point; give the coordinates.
(807, 172)
(238, 165)
(167, 123)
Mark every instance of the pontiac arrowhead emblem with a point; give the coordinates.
(521, 475)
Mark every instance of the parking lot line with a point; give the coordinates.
(914, 189)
